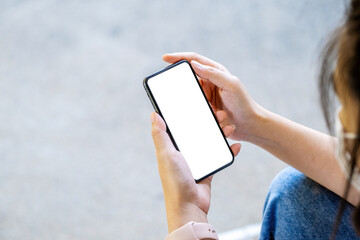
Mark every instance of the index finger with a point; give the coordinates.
(175, 57)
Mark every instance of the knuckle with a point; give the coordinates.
(211, 70)
(220, 66)
(235, 78)
(233, 81)
(194, 55)
(155, 131)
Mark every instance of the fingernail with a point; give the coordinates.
(197, 65)
(233, 126)
(153, 117)
(171, 54)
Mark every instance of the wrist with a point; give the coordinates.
(260, 121)
(179, 216)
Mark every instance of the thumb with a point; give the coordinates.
(160, 137)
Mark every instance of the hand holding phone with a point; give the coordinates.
(178, 97)
(185, 200)
(225, 92)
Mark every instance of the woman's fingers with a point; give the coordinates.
(217, 77)
(235, 148)
(211, 92)
(221, 116)
(228, 130)
(189, 56)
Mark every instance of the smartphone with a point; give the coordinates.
(177, 96)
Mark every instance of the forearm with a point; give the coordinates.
(307, 150)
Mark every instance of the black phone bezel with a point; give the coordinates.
(157, 109)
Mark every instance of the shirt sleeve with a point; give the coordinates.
(193, 231)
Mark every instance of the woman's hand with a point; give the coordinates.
(226, 94)
(185, 200)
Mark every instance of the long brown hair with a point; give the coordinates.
(343, 52)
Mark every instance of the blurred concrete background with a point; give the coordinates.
(76, 156)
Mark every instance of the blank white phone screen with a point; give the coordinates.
(190, 120)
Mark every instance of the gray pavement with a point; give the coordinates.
(76, 156)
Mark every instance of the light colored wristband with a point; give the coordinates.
(193, 231)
